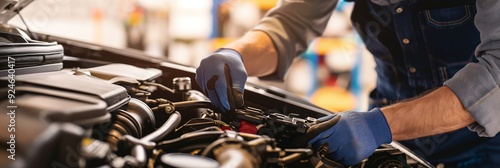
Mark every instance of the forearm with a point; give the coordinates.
(259, 55)
(437, 112)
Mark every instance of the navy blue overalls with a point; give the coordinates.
(417, 45)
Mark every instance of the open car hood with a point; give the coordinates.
(10, 8)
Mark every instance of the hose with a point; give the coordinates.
(167, 127)
(192, 104)
(290, 158)
(177, 106)
(190, 138)
(162, 87)
(139, 153)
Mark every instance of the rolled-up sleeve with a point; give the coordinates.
(477, 84)
(292, 25)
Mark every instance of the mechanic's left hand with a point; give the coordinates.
(222, 77)
(351, 136)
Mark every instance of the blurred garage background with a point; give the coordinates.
(336, 72)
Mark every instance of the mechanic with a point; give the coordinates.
(418, 45)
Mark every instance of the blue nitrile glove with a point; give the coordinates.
(353, 137)
(222, 77)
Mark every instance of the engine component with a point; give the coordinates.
(114, 95)
(143, 115)
(275, 125)
(196, 124)
(108, 72)
(181, 86)
(387, 160)
(59, 106)
(171, 160)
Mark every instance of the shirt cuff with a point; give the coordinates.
(476, 87)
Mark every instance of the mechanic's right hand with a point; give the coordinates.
(352, 136)
(222, 77)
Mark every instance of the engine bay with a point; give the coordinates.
(119, 115)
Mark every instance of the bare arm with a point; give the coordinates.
(283, 33)
(437, 112)
(259, 55)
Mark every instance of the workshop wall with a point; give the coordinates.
(336, 72)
